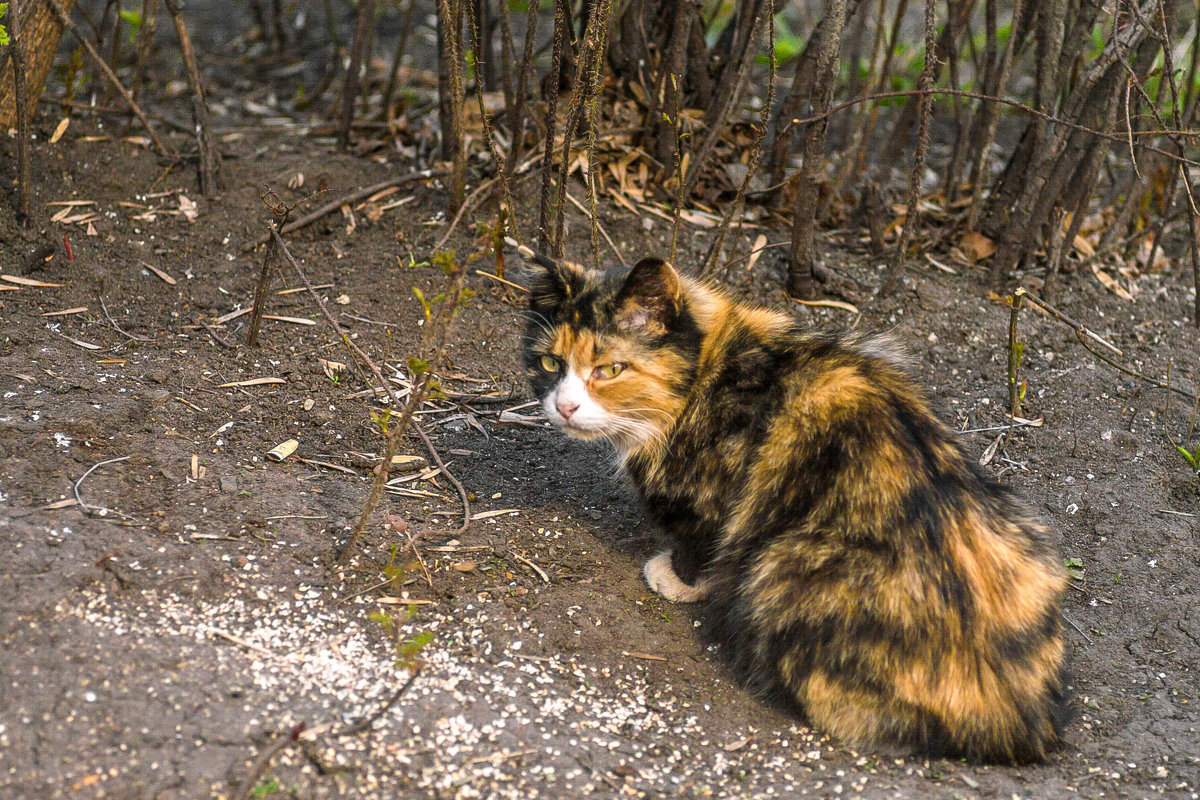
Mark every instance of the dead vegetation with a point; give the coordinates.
(1037, 138)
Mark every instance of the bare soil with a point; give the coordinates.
(158, 648)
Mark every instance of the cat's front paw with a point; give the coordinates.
(661, 577)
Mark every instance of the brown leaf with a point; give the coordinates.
(975, 246)
(1111, 284)
(1083, 245)
(463, 566)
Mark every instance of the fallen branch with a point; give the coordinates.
(462, 210)
(1080, 329)
(312, 292)
(462, 493)
(352, 197)
(498, 279)
(298, 734)
(1083, 333)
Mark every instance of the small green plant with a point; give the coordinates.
(439, 313)
(1191, 458)
(408, 649)
(266, 787)
(134, 20)
(4, 40)
(1074, 567)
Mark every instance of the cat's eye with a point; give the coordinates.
(607, 371)
(549, 363)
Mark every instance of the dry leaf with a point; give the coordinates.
(57, 504)
(829, 304)
(162, 275)
(188, 207)
(1111, 284)
(251, 382)
(975, 246)
(60, 129)
(463, 566)
(699, 218)
(293, 320)
(496, 513)
(991, 451)
(405, 463)
(756, 251)
(27, 281)
(1083, 245)
(298, 289)
(282, 450)
(232, 315)
(331, 368)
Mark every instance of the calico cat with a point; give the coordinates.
(857, 565)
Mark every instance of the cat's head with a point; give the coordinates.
(611, 354)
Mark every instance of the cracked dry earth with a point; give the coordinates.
(160, 648)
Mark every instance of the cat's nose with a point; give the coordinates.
(566, 407)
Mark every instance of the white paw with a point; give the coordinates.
(662, 579)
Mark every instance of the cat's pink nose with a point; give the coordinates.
(566, 408)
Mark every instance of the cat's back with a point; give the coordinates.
(868, 569)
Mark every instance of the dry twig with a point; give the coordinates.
(90, 509)
(83, 39)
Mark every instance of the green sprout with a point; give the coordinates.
(134, 20)
(1192, 458)
(267, 786)
(1074, 567)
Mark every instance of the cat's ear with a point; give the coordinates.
(552, 282)
(650, 297)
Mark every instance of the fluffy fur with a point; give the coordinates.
(857, 565)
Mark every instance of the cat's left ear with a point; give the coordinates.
(650, 297)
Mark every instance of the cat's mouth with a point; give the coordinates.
(578, 432)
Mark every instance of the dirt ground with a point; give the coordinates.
(194, 617)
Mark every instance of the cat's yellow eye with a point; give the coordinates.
(549, 363)
(607, 371)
